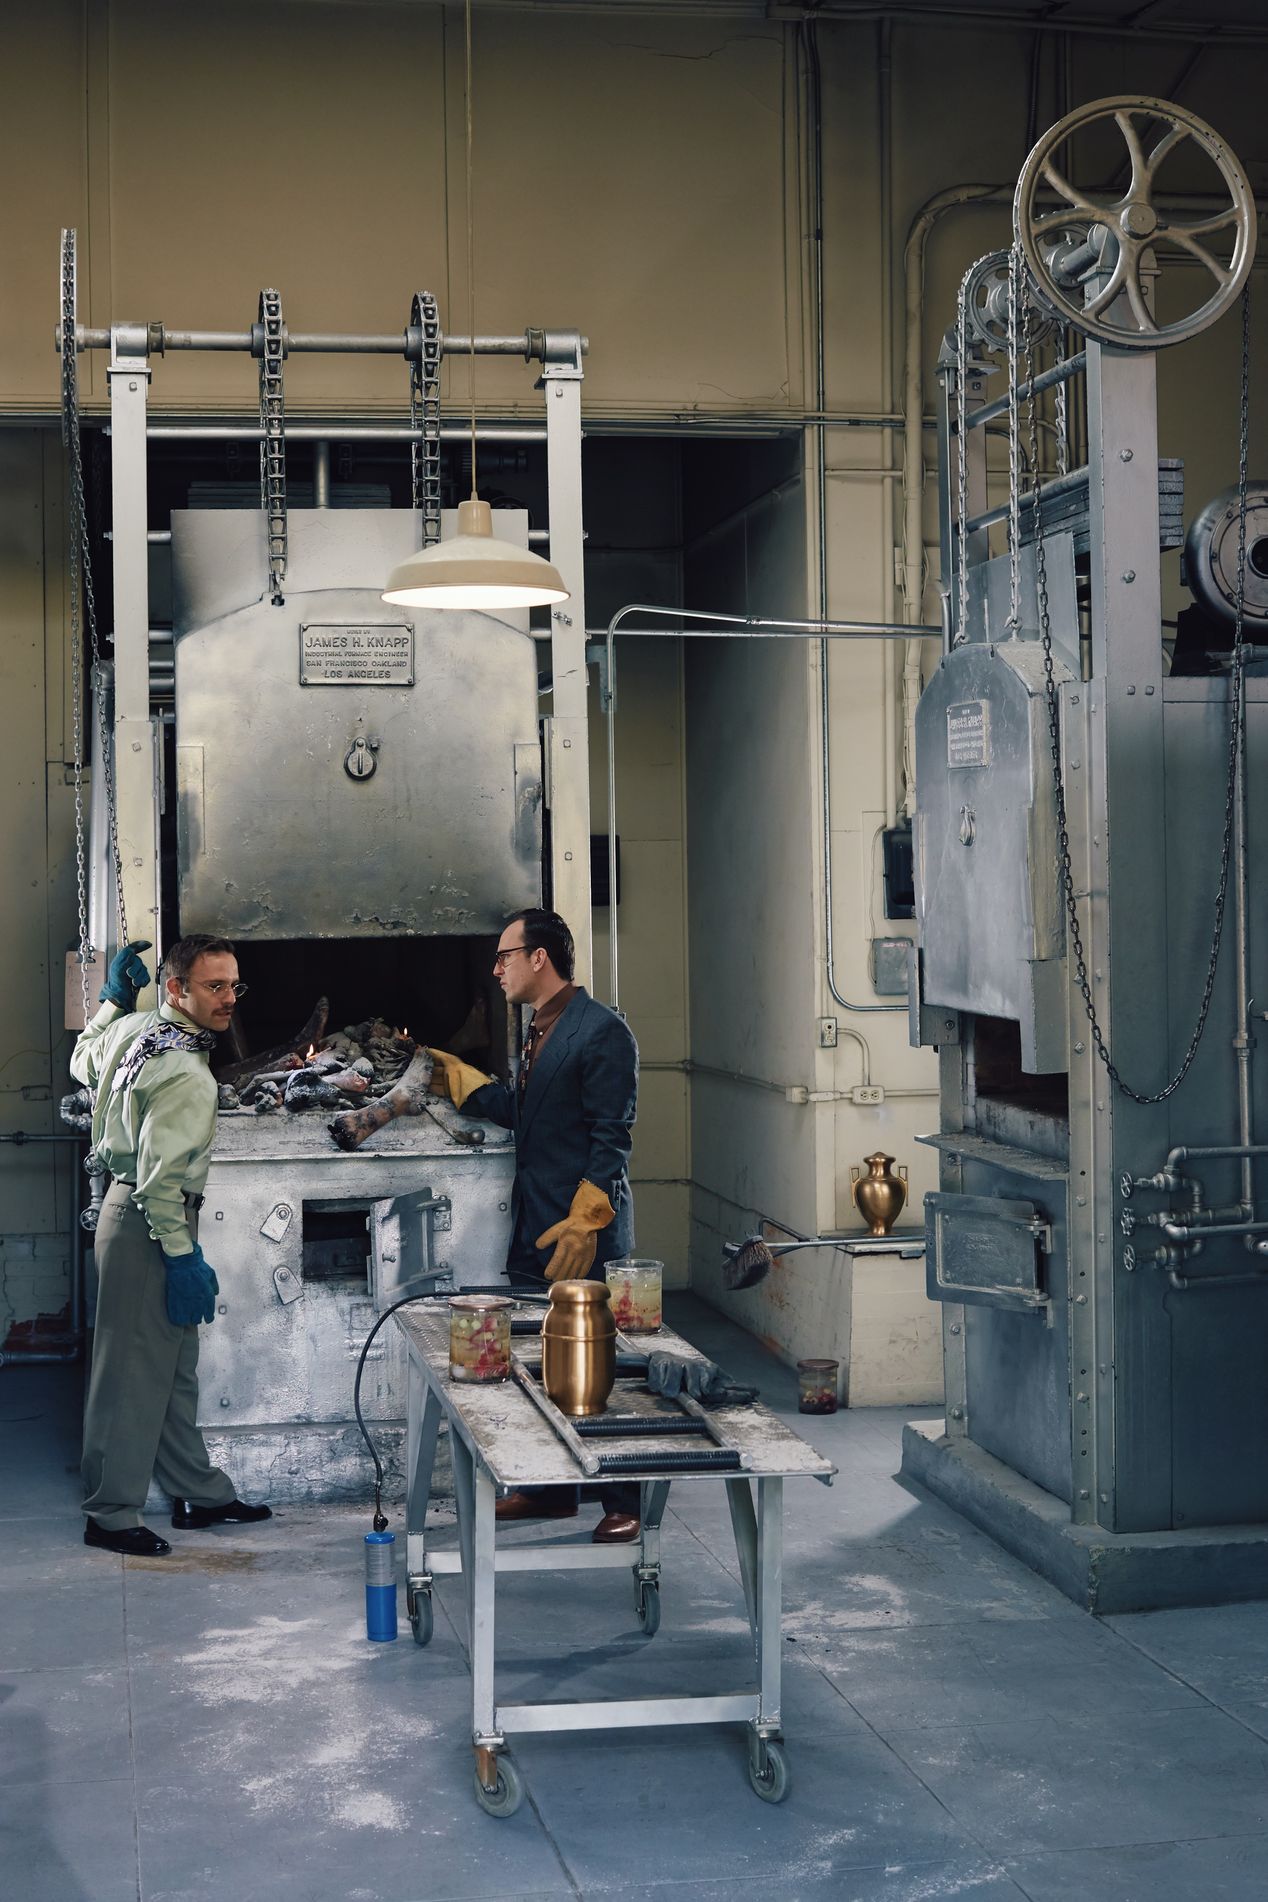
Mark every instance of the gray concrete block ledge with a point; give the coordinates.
(1104, 1572)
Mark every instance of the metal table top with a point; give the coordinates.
(520, 1447)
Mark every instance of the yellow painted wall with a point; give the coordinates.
(641, 175)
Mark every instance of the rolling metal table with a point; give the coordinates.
(501, 1440)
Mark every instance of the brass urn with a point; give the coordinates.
(880, 1194)
(579, 1347)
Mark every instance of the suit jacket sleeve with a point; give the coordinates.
(609, 1094)
(493, 1101)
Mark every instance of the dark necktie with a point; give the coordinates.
(526, 1061)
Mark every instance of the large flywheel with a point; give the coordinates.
(1113, 241)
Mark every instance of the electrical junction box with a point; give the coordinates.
(889, 966)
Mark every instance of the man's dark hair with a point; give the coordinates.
(185, 953)
(546, 931)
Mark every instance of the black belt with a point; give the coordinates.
(193, 1202)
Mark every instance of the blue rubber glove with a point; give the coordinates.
(191, 1289)
(127, 976)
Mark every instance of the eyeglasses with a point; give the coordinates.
(218, 985)
(499, 961)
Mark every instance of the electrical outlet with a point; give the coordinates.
(868, 1094)
(827, 1033)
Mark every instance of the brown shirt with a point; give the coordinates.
(545, 1017)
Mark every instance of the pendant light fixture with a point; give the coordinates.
(475, 568)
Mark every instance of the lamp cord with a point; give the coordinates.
(470, 261)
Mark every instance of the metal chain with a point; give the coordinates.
(962, 458)
(1062, 425)
(70, 421)
(83, 606)
(424, 416)
(1236, 718)
(273, 439)
(1016, 293)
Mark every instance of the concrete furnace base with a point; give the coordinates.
(1104, 1572)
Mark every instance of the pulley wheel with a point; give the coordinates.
(1118, 236)
(1210, 557)
(986, 305)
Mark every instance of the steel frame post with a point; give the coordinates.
(568, 760)
(770, 1585)
(475, 1494)
(423, 1416)
(137, 762)
(1113, 758)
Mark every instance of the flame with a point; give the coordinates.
(405, 1031)
(311, 1053)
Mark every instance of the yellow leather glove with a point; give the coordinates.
(576, 1237)
(453, 1078)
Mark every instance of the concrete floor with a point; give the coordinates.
(215, 1725)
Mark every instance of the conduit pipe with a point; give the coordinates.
(821, 487)
(913, 450)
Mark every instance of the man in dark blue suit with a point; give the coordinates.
(571, 1110)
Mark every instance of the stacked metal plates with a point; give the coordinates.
(1064, 505)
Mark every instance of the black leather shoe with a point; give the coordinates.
(190, 1517)
(134, 1542)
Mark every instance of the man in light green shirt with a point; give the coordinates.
(154, 1122)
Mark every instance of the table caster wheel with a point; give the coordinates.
(421, 1617)
(771, 1784)
(506, 1794)
(649, 1610)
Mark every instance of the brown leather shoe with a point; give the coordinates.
(543, 1505)
(617, 1528)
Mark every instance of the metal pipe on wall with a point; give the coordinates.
(321, 474)
(323, 432)
(814, 101)
(530, 346)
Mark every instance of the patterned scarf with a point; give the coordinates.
(150, 1043)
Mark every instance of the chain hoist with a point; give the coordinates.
(425, 343)
(83, 607)
(269, 344)
(962, 448)
(1236, 717)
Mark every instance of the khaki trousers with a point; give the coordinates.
(142, 1412)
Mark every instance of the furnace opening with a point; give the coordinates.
(336, 1238)
(440, 990)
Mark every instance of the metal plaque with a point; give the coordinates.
(969, 733)
(376, 654)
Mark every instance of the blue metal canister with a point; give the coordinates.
(380, 1586)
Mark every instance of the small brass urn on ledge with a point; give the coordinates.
(879, 1195)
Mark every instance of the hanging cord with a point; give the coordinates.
(1236, 720)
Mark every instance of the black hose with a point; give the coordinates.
(517, 1294)
(380, 1522)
